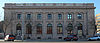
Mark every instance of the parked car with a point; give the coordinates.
(94, 38)
(9, 38)
(71, 38)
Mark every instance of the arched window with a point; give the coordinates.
(79, 26)
(69, 16)
(39, 28)
(59, 16)
(28, 29)
(59, 28)
(18, 26)
(79, 16)
(49, 28)
(70, 28)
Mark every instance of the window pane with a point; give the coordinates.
(18, 26)
(28, 16)
(59, 16)
(39, 16)
(49, 28)
(39, 28)
(59, 28)
(28, 29)
(79, 16)
(49, 16)
(19, 16)
(69, 16)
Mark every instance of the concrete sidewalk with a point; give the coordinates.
(42, 40)
(82, 39)
(51, 40)
(2, 40)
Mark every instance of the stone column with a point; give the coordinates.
(74, 23)
(54, 29)
(44, 29)
(64, 25)
(85, 24)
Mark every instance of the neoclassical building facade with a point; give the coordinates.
(49, 20)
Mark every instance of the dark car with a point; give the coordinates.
(71, 38)
(9, 38)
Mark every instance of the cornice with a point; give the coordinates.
(50, 7)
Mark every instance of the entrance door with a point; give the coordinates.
(69, 29)
(69, 32)
(18, 32)
(80, 33)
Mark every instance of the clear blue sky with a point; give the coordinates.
(96, 3)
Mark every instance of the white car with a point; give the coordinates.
(9, 38)
(94, 38)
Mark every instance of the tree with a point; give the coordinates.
(7, 22)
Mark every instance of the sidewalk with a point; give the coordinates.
(51, 40)
(2, 40)
(82, 39)
(44, 41)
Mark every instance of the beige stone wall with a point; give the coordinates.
(87, 20)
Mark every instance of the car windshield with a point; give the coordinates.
(11, 36)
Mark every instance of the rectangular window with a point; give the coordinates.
(49, 16)
(69, 16)
(18, 16)
(59, 16)
(39, 16)
(79, 16)
(28, 16)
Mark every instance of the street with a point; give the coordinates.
(58, 42)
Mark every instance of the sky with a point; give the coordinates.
(2, 2)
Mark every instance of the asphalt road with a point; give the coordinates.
(58, 42)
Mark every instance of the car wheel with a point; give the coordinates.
(64, 39)
(13, 40)
(5, 40)
(98, 39)
(75, 40)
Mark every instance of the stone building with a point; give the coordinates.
(49, 20)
